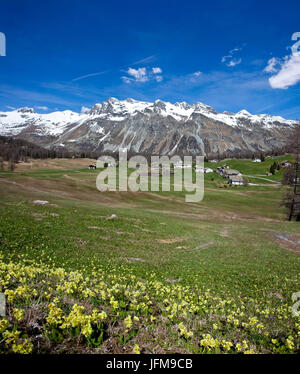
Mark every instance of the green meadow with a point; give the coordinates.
(163, 276)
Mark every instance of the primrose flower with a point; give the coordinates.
(245, 345)
(289, 343)
(24, 348)
(136, 349)
(11, 337)
(249, 352)
(209, 341)
(18, 314)
(55, 314)
(128, 322)
(3, 325)
(226, 345)
(96, 316)
(184, 332)
(87, 330)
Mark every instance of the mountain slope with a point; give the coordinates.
(156, 128)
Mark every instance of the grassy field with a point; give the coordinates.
(256, 171)
(163, 277)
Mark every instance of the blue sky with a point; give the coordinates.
(229, 54)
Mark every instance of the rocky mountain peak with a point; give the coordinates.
(25, 109)
(243, 113)
(96, 109)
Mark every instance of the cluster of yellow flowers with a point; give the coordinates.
(55, 315)
(203, 319)
(23, 348)
(211, 343)
(18, 314)
(76, 318)
(128, 322)
(13, 338)
(3, 325)
(290, 343)
(184, 332)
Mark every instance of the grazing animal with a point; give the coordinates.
(92, 167)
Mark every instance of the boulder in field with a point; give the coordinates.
(113, 216)
(40, 202)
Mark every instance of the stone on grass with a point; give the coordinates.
(40, 202)
(113, 216)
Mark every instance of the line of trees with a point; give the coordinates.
(14, 150)
(239, 154)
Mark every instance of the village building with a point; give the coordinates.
(227, 173)
(285, 164)
(204, 170)
(235, 180)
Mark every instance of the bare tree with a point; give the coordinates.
(292, 177)
(11, 165)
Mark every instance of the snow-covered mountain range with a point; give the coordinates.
(156, 128)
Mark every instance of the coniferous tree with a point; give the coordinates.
(273, 168)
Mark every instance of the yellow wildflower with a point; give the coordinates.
(136, 349)
(128, 322)
(18, 314)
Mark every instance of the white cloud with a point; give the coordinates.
(10, 107)
(142, 75)
(235, 50)
(234, 62)
(229, 60)
(41, 107)
(139, 74)
(224, 58)
(286, 70)
(272, 66)
(126, 79)
(289, 73)
(84, 109)
(197, 73)
(156, 70)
